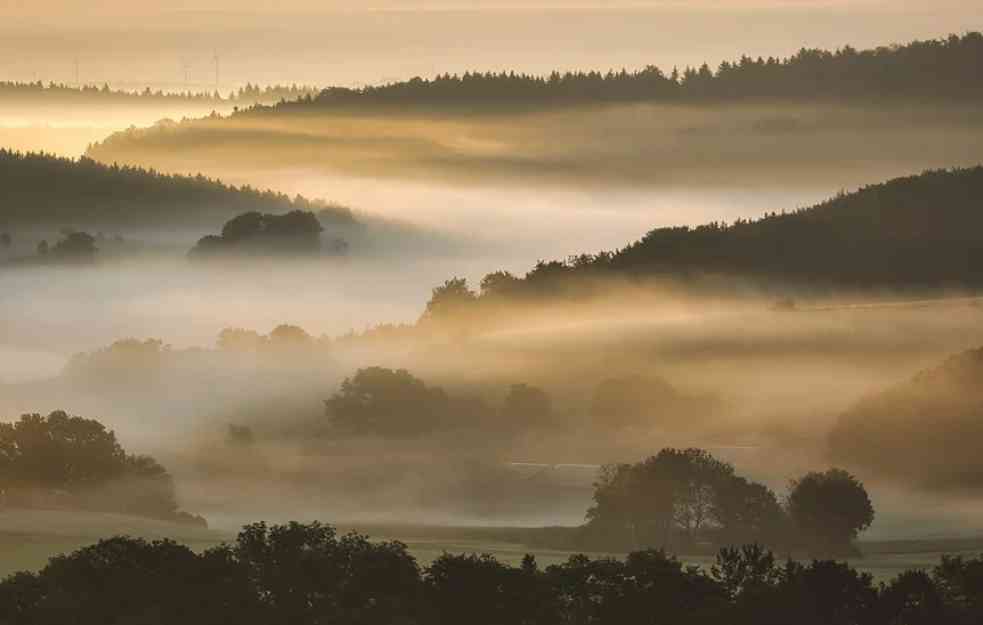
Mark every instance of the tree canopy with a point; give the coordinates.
(382, 401)
(830, 508)
(682, 497)
(70, 461)
(294, 233)
(308, 574)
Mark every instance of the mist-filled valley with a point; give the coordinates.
(678, 309)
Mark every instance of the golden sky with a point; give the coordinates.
(132, 44)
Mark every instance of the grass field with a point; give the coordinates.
(29, 538)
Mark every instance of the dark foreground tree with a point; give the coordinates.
(300, 574)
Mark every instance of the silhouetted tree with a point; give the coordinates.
(451, 303)
(829, 510)
(305, 574)
(912, 598)
(499, 284)
(687, 494)
(384, 402)
(296, 232)
(959, 581)
(81, 463)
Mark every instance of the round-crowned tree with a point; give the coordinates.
(830, 509)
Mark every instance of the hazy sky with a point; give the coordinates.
(46, 7)
(323, 42)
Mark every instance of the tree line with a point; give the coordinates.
(945, 68)
(247, 95)
(45, 190)
(308, 574)
(64, 461)
(914, 232)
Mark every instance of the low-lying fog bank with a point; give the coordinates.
(757, 386)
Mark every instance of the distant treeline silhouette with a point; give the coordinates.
(41, 190)
(248, 95)
(921, 231)
(306, 574)
(932, 69)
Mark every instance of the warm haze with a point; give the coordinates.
(694, 288)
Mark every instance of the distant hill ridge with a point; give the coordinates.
(917, 230)
(13, 92)
(922, 231)
(946, 68)
(40, 190)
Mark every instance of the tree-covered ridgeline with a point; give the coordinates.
(916, 232)
(12, 92)
(41, 190)
(946, 68)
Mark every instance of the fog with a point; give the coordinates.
(709, 147)
(758, 387)
(68, 128)
(770, 376)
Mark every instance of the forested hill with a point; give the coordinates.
(923, 231)
(946, 68)
(40, 190)
(920, 230)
